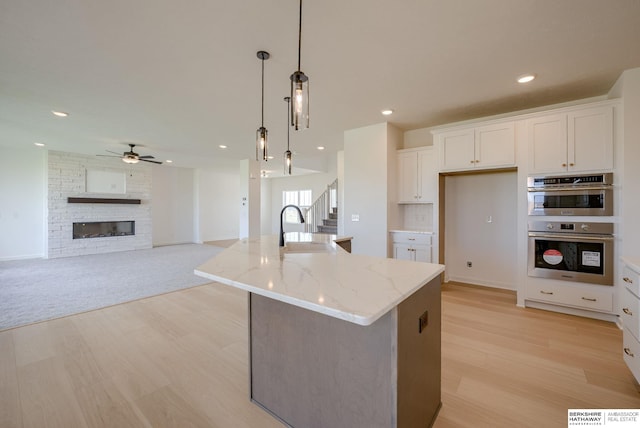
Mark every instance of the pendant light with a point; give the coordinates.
(287, 154)
(261, 133)
(299, 90)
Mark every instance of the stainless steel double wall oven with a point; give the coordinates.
(575, 249)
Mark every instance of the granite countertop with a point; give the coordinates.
(354, 288)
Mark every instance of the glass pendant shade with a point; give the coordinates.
(261, 143)
(299, 101)
(287, 162)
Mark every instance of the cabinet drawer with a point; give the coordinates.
(570, 296)
(411, 238)
(631, 280)
(631, 353)
(630, 312)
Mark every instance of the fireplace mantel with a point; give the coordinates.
(72, 200)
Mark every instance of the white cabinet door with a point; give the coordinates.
(547, 143)
(427, 176)
(457, 150)
(495, 145)
(488, 146)
(422, 253)
(407, 177)
(590, 139)
(402, 252)
(581, 140)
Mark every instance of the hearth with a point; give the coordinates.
(102, 229)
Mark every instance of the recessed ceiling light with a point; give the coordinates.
(387, 112)
(60, 113)
(222, 146)
(169, 161)
(320, 147)
(526, 78)
(39, 144)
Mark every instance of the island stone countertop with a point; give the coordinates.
(312, 272)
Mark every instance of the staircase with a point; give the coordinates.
(322, 215)
(330, 225)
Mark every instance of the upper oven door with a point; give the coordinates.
(590, 201)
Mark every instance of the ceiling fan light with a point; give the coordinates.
(130, 159)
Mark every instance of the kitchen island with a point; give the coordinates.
(337, 339)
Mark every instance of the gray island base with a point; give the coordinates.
(311, 370)
(337, 340)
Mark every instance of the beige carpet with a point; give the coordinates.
(41, 289)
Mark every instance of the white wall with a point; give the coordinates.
(22, 203)
(628, 87)
(366, 192)
(491, 247)
(173, 205)
(218, 203)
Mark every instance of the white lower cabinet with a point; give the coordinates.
(630, 311)
(412, 246)
(578, 297)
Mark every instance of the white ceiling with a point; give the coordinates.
(181, 78)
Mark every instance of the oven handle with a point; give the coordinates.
(567, 189)
(570, 237)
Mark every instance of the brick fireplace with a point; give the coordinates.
(125, 201)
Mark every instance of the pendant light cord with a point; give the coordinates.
(288, 107)
(262, 113)
(300, 35)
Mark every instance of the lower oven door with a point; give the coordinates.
(579, 258)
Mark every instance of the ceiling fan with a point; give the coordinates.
(132, 157)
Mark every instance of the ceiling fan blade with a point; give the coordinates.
(147, 160)
(110, 156)
(115, 153)
(146, 157)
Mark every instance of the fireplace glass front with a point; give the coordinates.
(101, 229)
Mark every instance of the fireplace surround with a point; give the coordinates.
(101, 229)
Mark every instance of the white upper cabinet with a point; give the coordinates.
(580, 140)
(482, 147)
(417, 176)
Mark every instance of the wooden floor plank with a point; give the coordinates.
(180, 359)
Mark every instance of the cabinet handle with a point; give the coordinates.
(628, 352)
(546, 292)
(589, 300)
(571, 164)
(472, 161)
(564, 164)
(411, 239)
(627, 311)
(627, 280)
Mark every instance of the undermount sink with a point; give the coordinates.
(308, 247)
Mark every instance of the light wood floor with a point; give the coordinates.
(180, 360)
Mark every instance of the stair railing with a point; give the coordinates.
(321, 208)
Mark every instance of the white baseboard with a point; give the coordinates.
(23, 257)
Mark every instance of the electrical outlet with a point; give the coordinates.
(469, 264)
(355, 217)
